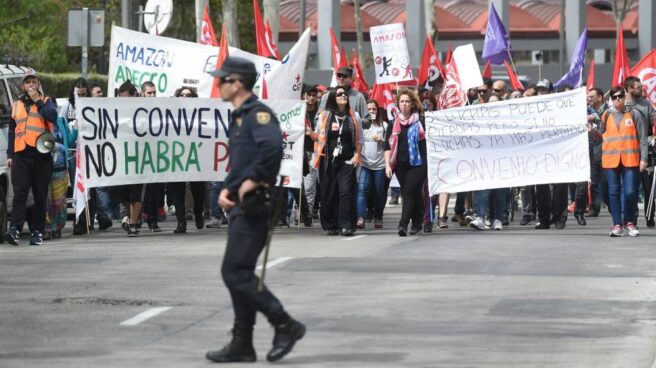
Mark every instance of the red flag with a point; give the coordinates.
(359, 83)
(337, 54)
(449, 55)
(207, 35)
(590, 83)
(645, 69)
(453, 95)
(265, 90)
(382, 93)
(343, 61)
(264, 48)
(487, 71)
(430, 68)
(515, 84)
(270, 41)
(622, 68)
(223, 54)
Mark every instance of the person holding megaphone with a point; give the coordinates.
(32, 118)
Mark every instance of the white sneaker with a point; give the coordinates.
(477, 224)
(631, 229)
(214, 224)
(616, 232)
(125, 223)
(498, 225)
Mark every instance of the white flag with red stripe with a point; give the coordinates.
(80, 190)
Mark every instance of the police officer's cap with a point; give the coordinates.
(236, 65)
(544, 84)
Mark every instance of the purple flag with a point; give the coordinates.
(496, 48)
(574, 76)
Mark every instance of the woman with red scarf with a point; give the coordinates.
(405, 156)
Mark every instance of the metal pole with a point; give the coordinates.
(141, 14)
(125, 14)
(301, 18)
(561, 58)
(85, 43)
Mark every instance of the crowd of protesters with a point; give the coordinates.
(351, 153)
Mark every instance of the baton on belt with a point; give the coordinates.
(274, 217)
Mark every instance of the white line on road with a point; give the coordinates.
(274, 263)
(354, 237)
(152, 312)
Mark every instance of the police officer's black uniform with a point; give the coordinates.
(255, 153)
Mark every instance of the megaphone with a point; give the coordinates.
(45, 143)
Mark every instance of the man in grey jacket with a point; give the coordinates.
(357, 101)
(636, 101)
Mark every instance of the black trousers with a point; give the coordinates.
(551, 202)
(30, 171)
(246, 239)
(581, 196)
(646, 184)
(177, 192)
(338, 196)
(459, 207)
(412, 180)
(597, 182)
(154, 201)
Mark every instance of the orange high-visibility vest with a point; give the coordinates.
(320, 143)
(620, 145)
(29, 125)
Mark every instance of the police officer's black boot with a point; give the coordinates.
(287, 332)
(240, 349)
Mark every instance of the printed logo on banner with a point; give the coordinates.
(390, 51)
(648, 78)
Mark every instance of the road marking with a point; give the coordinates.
(274, 263)
(152, 312)
(354, 237)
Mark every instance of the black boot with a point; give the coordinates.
(286, 335)
(240, 349)
(182, 228)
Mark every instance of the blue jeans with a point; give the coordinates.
(215, 189)
(499, 198)
(622, 193)
(367, 177)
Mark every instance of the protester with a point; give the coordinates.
(337, 153)
(623, 156)
(372, 171)
(56, 212)
(356, 99)
(255, 148)
(596, 109)
(496, 198)
(405, 156)
(130, 195)
(155, 192)
(551, 198)
(32, 115)
(499, 87)
(104, 211)
(311, 179)
(96, 91)
(636, 101)
(177, 190)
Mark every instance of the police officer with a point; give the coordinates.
(255, 155)
(32, 115)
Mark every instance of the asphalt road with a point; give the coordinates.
(454, 298)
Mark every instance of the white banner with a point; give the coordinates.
(467, 64)
(286, 80)
(535, 140)
(390, 51)
(167, 62)
(150, 140)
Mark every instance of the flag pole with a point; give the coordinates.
(512, 63)
(86, 210)
(300, 205)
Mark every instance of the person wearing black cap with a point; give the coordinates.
(357, 101)
(32, 115)
(255, 154)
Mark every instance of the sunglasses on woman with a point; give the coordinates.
(340, 94)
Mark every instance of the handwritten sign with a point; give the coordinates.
(150, 140)
(535, 140)
(390, 51)
(168, 63)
